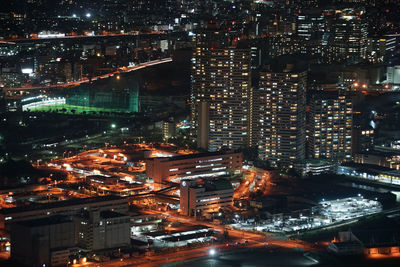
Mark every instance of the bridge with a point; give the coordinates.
(159, 195)
(79, 37)
(87, 80)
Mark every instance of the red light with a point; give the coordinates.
(355, 84)
(229, 28)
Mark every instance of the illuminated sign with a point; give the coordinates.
(27, 70)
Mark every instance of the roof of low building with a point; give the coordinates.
(59, 204)
(379, 237)
(108, 214)
(222, 184)
(56, 219)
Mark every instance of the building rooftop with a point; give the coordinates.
(366, 167)
(183, 229)
(380, 153)
(188, 236)
(379, 237)
(326, 94)
(346, 244)
(56, 219)
(107, 214)
(220, 184)
(213, 185)
(59, 204)
(198, 155)
(318, 162)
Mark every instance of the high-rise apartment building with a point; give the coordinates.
(221, 92)
(330, 125)
(282, 116)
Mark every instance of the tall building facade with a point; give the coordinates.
(350, 32)
(330, 125)
(221, 93)
(282, 116)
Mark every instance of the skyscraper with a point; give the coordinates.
(330, 125)
(282, 114)
(221, 88)
(350, 32)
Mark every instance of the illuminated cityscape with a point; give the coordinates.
(199, 133)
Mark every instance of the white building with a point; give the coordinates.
(393, 75)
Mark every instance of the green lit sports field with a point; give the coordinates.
(71, 109)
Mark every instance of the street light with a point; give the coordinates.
(212, 252)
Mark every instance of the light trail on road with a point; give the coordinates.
(86, 80)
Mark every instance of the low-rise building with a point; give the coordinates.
(67, 207)
(316, 166)
(143, 223)
(372, 242)
(99, 230)
(185, 235)
(53, 240)
(183, 238)
(346, 248)
(385, 159)
(207, 196)
(210, 164)
(371, 173)
(43, 242)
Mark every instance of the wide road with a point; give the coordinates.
(176, 256)
(251, 237)
(254, 240)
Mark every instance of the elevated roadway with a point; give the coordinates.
(91, 79)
